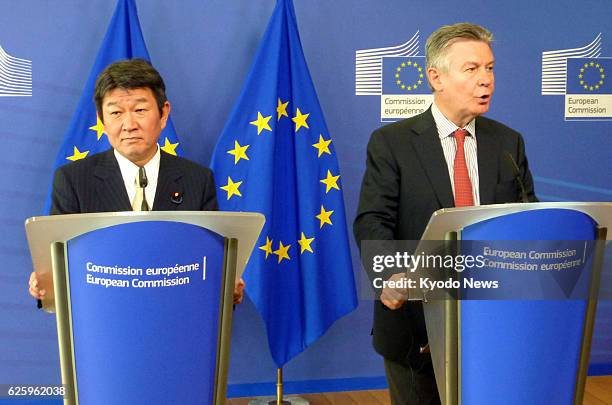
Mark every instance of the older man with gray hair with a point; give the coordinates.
(448, 156)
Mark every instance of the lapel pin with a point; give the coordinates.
(176, 197)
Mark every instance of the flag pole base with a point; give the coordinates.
(279, 400)
(272, 401)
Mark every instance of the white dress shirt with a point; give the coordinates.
(129, 171)
(445, 131)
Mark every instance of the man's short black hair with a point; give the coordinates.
(129, 74)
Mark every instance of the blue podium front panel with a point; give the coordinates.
(144, 301)
(523, 352)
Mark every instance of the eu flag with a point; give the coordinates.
(589, 76)
(404, 75)
(276, 156)
(85, 134)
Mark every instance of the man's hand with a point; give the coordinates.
(239, 291)
(394, 298)
(35, 292)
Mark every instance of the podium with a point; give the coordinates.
(516, 351)
(143, 301)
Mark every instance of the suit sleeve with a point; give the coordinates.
(379, 197)
(209, 197)
(63, 197)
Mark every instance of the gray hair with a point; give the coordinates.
(441, 39)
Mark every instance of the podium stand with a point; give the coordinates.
(143, 301)
(533, 351)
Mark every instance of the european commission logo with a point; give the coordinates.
(582, 75)
(397, 75)
(15, 76)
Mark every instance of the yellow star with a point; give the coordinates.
(398, 82)
(99, 128)
(261, 123)
(300, 120)
(330, 182)
(169, 147)
(281, 109)
(416, 64)
(324, 217)
(403, 87)
(591, 64)
(232, 188)
(409, 88)
(267, 247)
(397, 75)
(322, 146)
(77, 155)
(239, 152)
(282, 252)
(420, 69)
(399, 69)
(403, 64)
(305, 244)
(409, 63)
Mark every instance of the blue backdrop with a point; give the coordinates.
(204, 50)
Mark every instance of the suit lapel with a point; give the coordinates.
(487, 162)
(110, 189)
(431, 155)
(168, 183)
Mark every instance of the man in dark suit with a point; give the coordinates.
(445, 157)
(95, 184)
(135, 174)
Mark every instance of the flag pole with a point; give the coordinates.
(279, 395)
(279, 392)
(279, 386)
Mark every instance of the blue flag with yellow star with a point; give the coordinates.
(404, 75)
(588, 76)
(275, 156)
(85, 135)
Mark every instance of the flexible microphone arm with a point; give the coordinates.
(517, 176)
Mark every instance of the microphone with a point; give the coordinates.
(517, 176)
(142, 177)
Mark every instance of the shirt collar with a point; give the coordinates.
(446, 127)
(129, 170)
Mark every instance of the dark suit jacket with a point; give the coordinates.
(405, 181)
(95, 184)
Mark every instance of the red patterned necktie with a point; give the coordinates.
(463, 185)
